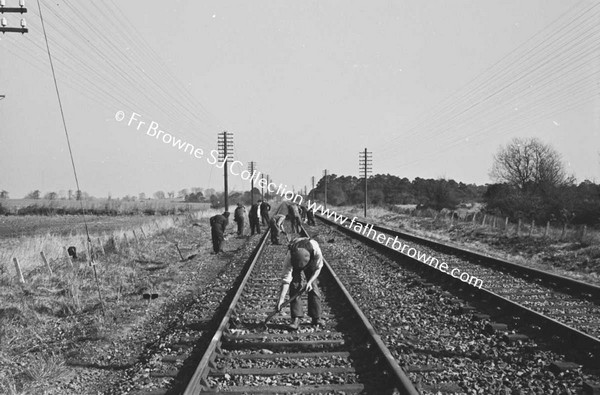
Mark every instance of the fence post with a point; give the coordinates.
(126, 241)
(531, 227)
(101, 246)
(18, 269)
(584, 231)
(143, 233)
(494, 223)
(547, 228)
(136, 238)
(473, 219)
(506, 225)
(483, 220)
(45, 262)
(519, 227)
(564, 230)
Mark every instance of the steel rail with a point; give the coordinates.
(576, 338)
(198, 382)
(404, 385)
(575, 286)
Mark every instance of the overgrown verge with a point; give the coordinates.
(54, 337)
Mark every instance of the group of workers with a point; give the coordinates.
(303, 255)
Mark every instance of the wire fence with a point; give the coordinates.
(553, 230)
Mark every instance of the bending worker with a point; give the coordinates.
(276, 227)
(294, 216)
(218, 224)
(304, 256)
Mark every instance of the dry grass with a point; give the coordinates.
(47, 320)
(27, 248)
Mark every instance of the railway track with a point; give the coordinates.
(563, 308)
(345, 356)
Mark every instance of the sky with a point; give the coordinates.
(431, 88)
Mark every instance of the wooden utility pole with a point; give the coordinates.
(365, 162)
(225, 145)
(251, 168)
(325, 174)
(313, 187)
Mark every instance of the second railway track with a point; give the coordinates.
(568, 308)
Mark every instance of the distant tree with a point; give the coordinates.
(529, 165)
(62, 194)
(51, 196)
(78, 195)
(215, 202)
(182, 194)
(194, 197)
(33, 195)
(70, 196)
(159, 195)
(3, 194)
(209, 192)
(171, 195)
(142, 196)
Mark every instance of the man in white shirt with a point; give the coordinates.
(304, 256)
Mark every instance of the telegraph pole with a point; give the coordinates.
(313, 187)
(13, 10)
(225, 145)
(251, 168)
(325, 174)
(268, 182)
(365, 161)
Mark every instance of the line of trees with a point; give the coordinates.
(385, 189)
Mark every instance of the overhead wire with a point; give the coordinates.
(447, 112)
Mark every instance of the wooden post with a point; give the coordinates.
(68, 257)
(484, 218)
(583, 232)
(126, 241)
(135, 235)
(506, 225)
(46, 262)
(143, 233)
(494, 223)
(519, 227)
(18, 269)
(531, 227)
(473, 219)
(179, 251)
(564, 230)
(547, 228)
(101, 246)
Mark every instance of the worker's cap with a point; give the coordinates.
(300, 257)
(226, 214)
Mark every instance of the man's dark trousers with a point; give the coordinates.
(314, 295)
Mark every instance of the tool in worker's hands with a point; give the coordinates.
(290, 300)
